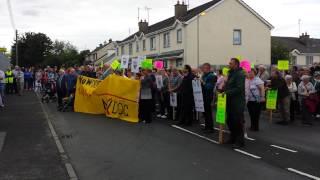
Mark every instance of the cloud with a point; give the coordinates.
(30, 13)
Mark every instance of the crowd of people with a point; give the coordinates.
(298, 92)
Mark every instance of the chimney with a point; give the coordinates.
(180, 9)
(305, 39)
(143, 26)
(110, 40)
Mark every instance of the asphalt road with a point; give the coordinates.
(109, 149)
(27, 149)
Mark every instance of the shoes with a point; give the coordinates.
(159, 116)
(318, 116)
(237, 145)
(284, 123)
(164, 117)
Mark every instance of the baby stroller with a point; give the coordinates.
(67, 103)
(48, 93)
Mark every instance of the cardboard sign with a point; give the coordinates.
(173, 100)
(135, 65)
(158, 64)
(225, 71)
(124, 61)
(283, 65)
(272, 96)
(197, 95)
(221, 109)
(115, 64)
(159, 81)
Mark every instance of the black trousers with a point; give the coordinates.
(164, 102)
(145, 110)
(61, 95)
(208, 112)
(235, 121)
(293, 105)
(186, 112)
(254, 109)
(9, 88)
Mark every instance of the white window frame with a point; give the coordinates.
(144, 45)
(237, 40)
(166, 40)
(179, 36)
(309, 60)
(122, 50)
(153, 43)
(137, 46)
(130, 49)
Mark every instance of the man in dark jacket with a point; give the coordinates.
(61, 88)
(208, 81)
(235, 91)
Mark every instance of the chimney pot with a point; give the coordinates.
(180, 9)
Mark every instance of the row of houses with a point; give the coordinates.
(212, 32)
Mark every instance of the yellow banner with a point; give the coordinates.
(116, 96)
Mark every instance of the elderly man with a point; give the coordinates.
(61, 88)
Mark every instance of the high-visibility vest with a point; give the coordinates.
(9, 77)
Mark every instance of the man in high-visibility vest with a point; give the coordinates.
(9, 81)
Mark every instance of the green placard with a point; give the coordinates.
(283, 65)
(115, 64)
(147, 64)
(225, 71)
(272, 96)
(221, 109)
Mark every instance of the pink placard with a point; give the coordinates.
(246, 65)
(158, 64)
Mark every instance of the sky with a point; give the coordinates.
(87, 23)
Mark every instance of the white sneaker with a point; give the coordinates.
(164, 117)
(318, 116)
(159, 115)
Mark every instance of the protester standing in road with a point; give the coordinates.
(20, 81)
(61, 88)
(293, 98)
(9, 80)
(208, 81)
(174, 87)
(263, 74)
(278, 83)
(187, 100)
(235, 91)
(2, 87)
(255, 95)
(146, 102)
(308, 106)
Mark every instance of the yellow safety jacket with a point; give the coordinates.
(9, 77)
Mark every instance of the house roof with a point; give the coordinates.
(170, 21)
(188, 16)
(292, 43)
(4, 62)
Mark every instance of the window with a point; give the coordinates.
(130, 49)
(144, 45)
(237, 37)
(122, 50)
(137, 46)
(179, 36)
(309, 60)
(294, 60)
(179, 63)
(166, 40)
(152, 43)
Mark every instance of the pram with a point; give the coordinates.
(49, 92)
(67, 102)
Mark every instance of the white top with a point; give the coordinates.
(2, 77)
(305, 90)
(252, 89)
(293, 89)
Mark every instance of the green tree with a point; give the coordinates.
(278, 52)
(33, 48)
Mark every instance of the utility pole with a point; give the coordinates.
(299, 22)
(17, 41)
(148, 9)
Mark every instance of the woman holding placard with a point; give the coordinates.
(255, 95)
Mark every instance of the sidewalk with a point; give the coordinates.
(28, 151)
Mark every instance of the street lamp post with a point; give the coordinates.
(198, 37)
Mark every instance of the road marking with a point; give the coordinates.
(303, 174)
(286, 149)
(248, 154)
(69, 167)
(228, 132)
(198, 135)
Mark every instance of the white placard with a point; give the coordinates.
(197, 94)
(159, 81)
(173, 100)
(124, 61)
(135, 65)
(141, 58)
